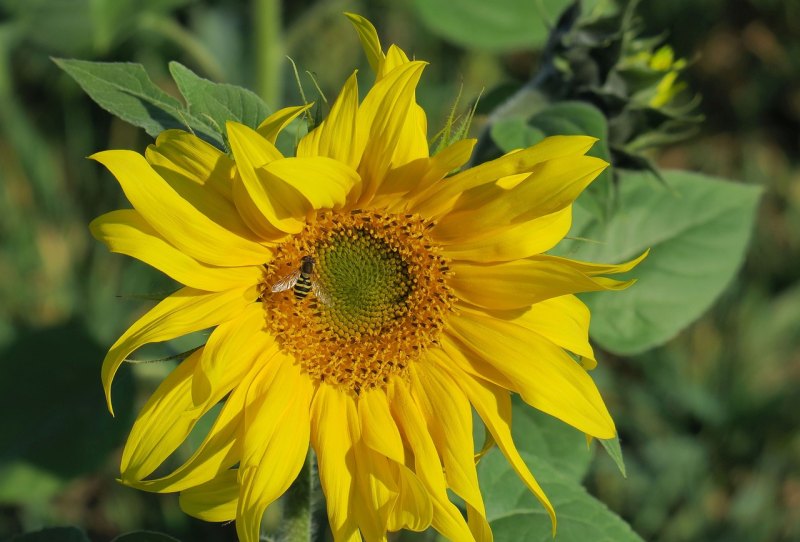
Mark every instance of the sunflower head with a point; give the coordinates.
(364, 299)
(379, 297)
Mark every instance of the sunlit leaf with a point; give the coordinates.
(615, 451)
(217, 103)
(501, 25)
(125, 90)
(516, 515)
(551, 441)
(697, 228)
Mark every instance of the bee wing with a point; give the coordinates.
(319, 291)
(286, 282)
(321, 294)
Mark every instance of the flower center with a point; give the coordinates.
(370, 296)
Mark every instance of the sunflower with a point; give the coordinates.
(363, 300)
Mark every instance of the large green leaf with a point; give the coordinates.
(514, 133)
(53, 534)
(216, 103)
(499, 26)
(515, 514)
(550, 441)
(125, 90)
(697, 228)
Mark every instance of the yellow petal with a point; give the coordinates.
(274, 124)
(369, 40)
(384, 113)
(221, 448)
(126, 232)
(201, 174)
(542, 373)
(412, 509)
(276, 438)
(441, 198)
(332, 442)
(450, 423)
(493, 405)
(395, 57)
(219, 451)
(175, 218)
(172, 411)
(337, 137)
(285, 190)
(213, 501)
(551, 186)
(163, 424)
(520, 283)
(185, 311)
(309, 143)
(231, 351)
(196, 161)
(412, 141)
(323, 182)
(420, 173)
(375, 488)
(268, 205)
(461, 357)
(594, 269)
(563, 321)
(449, 159)
(446, 517)
(379, 430)
(480, 241)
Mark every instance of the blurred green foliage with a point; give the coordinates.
(707, 422)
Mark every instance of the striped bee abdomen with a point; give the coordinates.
(302, 286)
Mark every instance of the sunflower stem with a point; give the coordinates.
(302, 505)
(268, 50)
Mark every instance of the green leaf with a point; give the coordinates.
(613, 449)
(125, 90)
(697, 228)
(53, 534)
(216, 103)
(498, 26)
(515, 133)
(550, 441)
(515, 514)
(144, 536)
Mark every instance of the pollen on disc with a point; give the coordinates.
(379, 297)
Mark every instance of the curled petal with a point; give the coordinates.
(541, 372)
(176, 219)
(126, 232)
(215, 500)
(274, 450)
(493, 405)
(521, 283)
(185, 311)
(442, 197)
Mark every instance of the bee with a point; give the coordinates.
(302, 281)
